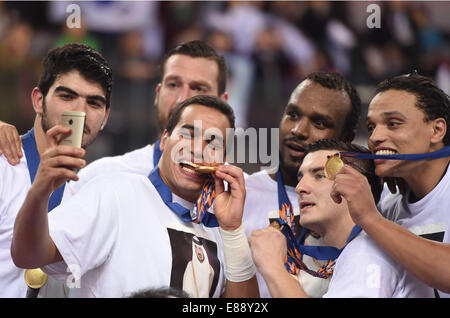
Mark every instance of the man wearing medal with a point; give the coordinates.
(362, 268)
(191, 68)
(74, 78)
(109, 232)
(324, 105)
(408, 120)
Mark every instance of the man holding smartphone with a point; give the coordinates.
(74, 78)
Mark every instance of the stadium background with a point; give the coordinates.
(269, 47)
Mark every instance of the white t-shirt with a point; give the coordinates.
(123, 239)
(261, 205)
(139, 161)
(429, 217)
(14, 185)
(365, 270)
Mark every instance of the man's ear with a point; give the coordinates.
(37, 99)
(164, 137)
(224, 97)
(439, 130)
(157, 89)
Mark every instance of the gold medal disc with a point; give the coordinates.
(332, 166)
(35, 278)
(205, 169)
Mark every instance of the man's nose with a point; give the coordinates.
(301, 128)
(377, 136)
(303, 186)
(185, 93)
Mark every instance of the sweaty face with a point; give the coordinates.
(317, 208)
(199, 137)
(313, 113)
(184, 77)
(73, 92)
(396, 126)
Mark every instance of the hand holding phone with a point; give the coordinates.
(74, 120)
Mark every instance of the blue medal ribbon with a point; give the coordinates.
(441, 153)
(295, 252)
(33, 160)
(208, 219)
(285, 207)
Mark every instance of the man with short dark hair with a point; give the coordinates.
(109, 233)
(191, 68)
(362, 268)
(409, 115)
(74, 78)
(323, 105)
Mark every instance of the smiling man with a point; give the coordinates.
(118, 234)
(74, 78)
(189, 69)
(409, 115)
(323, 105)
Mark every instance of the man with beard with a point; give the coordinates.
(191, 68)
(323, 105)
(74, 78)
(114, 234)
(198, 276)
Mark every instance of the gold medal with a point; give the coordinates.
(332, 166)
(205, 169)
(35, 278)
(199, 168)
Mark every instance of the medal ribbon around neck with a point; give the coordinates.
(295, 252)
(296, 249)
(33, 160)
(204, 202)
(200, 213)
(335, 162)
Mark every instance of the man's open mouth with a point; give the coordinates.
(196, 169)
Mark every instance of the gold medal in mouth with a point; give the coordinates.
(332, 166)
(198, 168)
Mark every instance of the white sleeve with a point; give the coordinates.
(84, 229)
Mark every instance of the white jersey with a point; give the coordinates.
(139, 161)
(261, 206)
(429, 217)
(124, 239)
(365, 270)
(14, 185)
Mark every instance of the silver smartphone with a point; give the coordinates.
(74, 120)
